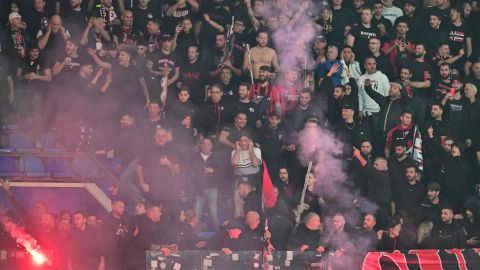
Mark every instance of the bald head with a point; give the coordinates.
(312, 221)
(252, 219)
(56, 23)
(127, 18)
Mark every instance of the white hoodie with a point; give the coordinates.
(379, 83)
(354, 69)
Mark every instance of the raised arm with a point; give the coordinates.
(298, 14)
(251, 15)
(121, 6)
(43, 40)
(213, 23)
(97, 59)
(194, 4)
(377, 97)
(236, 155)
(86, 32)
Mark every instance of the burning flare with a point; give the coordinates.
(24, 239)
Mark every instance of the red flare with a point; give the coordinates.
(24, 239)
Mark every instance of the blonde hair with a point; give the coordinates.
(474, 88)
(424, 230)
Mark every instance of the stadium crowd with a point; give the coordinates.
(188, 99)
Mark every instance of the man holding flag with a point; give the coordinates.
(164, 64)
(410, 133)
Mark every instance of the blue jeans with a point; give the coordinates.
(127, 186)
(210, 196)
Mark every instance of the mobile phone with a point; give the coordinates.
(452, 91)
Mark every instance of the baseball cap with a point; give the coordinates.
(321, 38)
(347, 106)
(234, 224)
(433, 186)
(313, 119)
(265, 68)
(14, 15)
(166, 37)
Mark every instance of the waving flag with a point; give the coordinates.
(269, 198)
(164, 84)
(417, 148)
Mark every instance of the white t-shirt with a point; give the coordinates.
(245, 166)
(392, 13)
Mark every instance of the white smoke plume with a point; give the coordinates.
(293, 41)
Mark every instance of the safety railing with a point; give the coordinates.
(56, 166)
(217, 260)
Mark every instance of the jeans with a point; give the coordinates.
(238, 203)
(210, 196)
(127, 185)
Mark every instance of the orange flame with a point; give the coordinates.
(38, 257)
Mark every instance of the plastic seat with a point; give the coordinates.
(111, 165)
(48, 141)
(85, 168)
(8, 167)
(20, 140)
(33, 167)
(60, 167)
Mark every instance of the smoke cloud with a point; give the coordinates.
(293, 41)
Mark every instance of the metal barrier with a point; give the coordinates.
(49, 180)
(217, 260)
(23, 175)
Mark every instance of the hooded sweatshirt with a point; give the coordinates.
(379, 83)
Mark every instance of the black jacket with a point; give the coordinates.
(430, 212)
(433, 145)
(244, 242)
(199, 178)
(457, 178)
(378, 185)
(253, 202)
(390, 110)
(446, 236)
(397, 168)
(296, 118)
(389, 244)
(304, 236)
(211, 117)
(187, 237)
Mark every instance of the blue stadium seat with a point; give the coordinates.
(33, 167)
(111, 163)
(60, 167)
(85, 168)
(20, 140)
(8, 167)
(48, 141)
